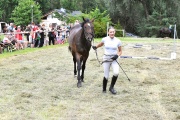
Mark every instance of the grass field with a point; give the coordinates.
(38, 84)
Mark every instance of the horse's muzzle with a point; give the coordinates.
(90, 39)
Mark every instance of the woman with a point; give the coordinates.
(51, 35)
(42, 34)
(112, 50)
(19, 38)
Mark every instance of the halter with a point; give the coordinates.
(86, 33)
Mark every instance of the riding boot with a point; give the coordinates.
(104, 84)
(111, 89)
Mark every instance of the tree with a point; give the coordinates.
(100, 23)
(100, 20)
(7, 6)
(157, 20)
(22, 14)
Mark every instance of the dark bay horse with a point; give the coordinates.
(165, 32)
(80, 39)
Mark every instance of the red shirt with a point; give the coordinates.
(34, 32)
(18, 35)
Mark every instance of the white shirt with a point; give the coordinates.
(5, 40)
(111, 45)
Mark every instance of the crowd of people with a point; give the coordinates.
(34, 35)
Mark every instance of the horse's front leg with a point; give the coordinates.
(75, 70)
(78, 76)
(83, 69)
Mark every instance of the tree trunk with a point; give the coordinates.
(145, 8)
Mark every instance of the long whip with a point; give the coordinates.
(119, 66)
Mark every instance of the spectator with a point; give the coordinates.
(38, 36)
(33, 33)
(42, 34)
(6, 39)
(5, 29)
(51, 35)
(21, 43)
(11, 27)
(13, 39)
(27, 34)
(76, 22)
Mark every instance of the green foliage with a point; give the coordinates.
(143, 17)
(100, 20)
(6, 8)
(118, 27)
(22, 14)
(159, 19)
(69, 4)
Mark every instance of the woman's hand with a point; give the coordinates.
(115, 57)
(94, 47)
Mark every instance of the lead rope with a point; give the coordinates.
(97, 55)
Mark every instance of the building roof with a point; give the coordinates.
(74, 13)
(60, 11)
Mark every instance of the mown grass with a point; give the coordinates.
(123, 39)
(38, 84)
(28, 50)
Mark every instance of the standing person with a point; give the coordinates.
(33, 33)
(22, 43)
(27, 34)
(51, 35)
(112, 50)
(38, 37)
(42, 34)
(11, 27)
(76, 22)
(63, 31)
(58, 35)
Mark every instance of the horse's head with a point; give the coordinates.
(88, 29)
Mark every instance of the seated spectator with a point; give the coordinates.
(6, 39)
(7, 42)
(12, 38)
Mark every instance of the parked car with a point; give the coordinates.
(131, 35)
(2, 25)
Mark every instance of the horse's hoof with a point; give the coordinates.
(79, 84)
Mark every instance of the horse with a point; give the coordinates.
(80, 39)
(165, 32)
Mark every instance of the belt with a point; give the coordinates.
(110, 55)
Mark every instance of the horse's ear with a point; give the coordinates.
(92, 20)
(83, 19)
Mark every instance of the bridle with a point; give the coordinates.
(86, 33)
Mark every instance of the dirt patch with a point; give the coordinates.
(41, 86)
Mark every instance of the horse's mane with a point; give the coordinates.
(75, 26)
(80, 24)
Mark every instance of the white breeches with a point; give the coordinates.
(107, 65)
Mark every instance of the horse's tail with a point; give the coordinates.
(69, 48)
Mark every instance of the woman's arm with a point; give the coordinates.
(119, 51)
(99, 45)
